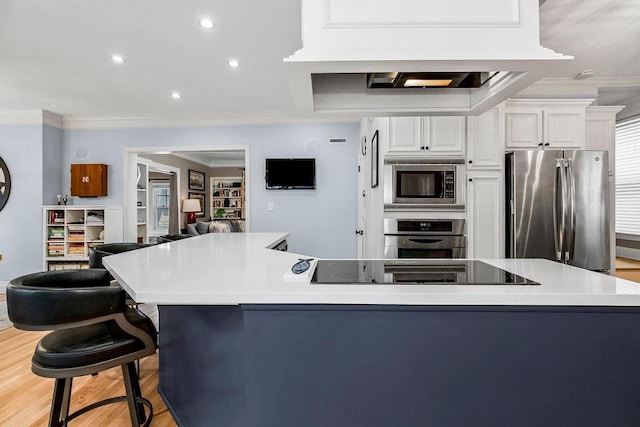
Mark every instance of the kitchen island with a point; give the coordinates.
(242, 343)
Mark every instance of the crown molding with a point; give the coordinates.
(111, 122)
(210, 164)
(52, 119)
(31, 117)
(567, 86)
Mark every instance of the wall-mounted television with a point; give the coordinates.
(290, 174)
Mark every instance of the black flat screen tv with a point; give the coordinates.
(291, 174)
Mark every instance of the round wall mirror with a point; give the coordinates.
(5, 183)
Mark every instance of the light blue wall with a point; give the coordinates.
(52, 164)
(321, 222)
(21, 218)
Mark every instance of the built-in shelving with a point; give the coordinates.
(142, 201)
(227, 197)
(70, 231)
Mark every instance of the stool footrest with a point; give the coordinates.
(114, 400)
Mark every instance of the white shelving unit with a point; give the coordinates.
(227, 193)
(70, 231)
(142, 203)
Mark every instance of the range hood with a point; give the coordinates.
(415, 57)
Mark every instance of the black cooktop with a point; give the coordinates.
(414, 272)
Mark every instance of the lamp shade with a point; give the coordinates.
(191, 205)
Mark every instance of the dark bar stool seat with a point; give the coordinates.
(93, 330)
(171, 238)
(98, 252)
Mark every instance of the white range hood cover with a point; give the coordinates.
(345, 39)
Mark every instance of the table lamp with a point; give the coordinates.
(190, 207)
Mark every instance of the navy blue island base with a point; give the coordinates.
(384, 365)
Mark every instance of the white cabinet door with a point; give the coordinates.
(564, 128)
(485, 214)
(437, 137)
(485, 149)
(523, 128)
(545, 123)
(404, 136)
(113, 224)
(445, 136)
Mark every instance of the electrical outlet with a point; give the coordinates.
(270, 206)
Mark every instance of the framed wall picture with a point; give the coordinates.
(201, 198)
(374, 160)
(196, 180)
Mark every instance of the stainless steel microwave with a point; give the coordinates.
(424, 184)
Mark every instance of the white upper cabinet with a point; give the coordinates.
(426, 137)
(446, 135)
(553, 124)
(485, 140)
(405, 136)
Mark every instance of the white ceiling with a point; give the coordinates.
(55, 55)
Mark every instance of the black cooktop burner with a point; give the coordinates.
(414, 272)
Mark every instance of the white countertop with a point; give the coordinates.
(238, 268)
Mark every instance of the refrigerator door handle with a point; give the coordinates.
(559, 224)
(571, 229)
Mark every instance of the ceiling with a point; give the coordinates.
(56, 55)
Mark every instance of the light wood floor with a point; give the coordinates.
(628, 269)
(25, 397)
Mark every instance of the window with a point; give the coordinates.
(160, 208)
(628, 177)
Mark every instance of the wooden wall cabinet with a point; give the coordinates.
(88, 180)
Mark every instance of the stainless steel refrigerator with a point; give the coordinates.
(557, 206)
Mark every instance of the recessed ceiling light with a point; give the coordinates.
(176, 95)
(233, 63)
(206, 23)
(118, 59)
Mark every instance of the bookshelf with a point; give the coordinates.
(70, 231)
(227, 193)
(142, 203)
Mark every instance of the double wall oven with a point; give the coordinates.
(424, 238)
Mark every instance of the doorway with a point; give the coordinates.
(207, 160)
(158, 221)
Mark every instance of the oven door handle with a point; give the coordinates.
(425, 240)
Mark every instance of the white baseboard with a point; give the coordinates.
(630, 253)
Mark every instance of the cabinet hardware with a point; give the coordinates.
(470, 179)
(546, 145)
(359, 232)
(540, 144)
(470, 161)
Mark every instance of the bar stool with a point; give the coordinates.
(95, 261)
(98, 252)
(167, 238)
(93, 330)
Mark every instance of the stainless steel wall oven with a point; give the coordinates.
(418, 238)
